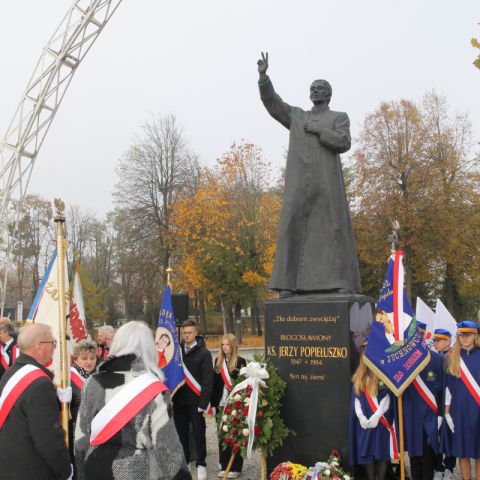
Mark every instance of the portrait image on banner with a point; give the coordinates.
(396, 349)
(168, 346)
(165, 345)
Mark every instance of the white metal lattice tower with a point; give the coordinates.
(53, 73)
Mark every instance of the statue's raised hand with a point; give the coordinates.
(263, 64)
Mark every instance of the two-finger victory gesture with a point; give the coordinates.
(263, 65)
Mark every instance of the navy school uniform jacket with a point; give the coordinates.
(418, 416)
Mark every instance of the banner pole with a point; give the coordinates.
(62, 318)
(394, 240)
(400, 434)
(169, 273)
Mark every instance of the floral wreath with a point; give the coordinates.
(251, 418)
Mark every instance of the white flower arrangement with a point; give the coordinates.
(327, 470)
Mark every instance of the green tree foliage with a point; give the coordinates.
(93, 297)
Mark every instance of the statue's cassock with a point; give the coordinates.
(316, 245)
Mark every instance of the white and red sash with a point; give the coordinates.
(426, 394)
(102, 353)
(123, 406)
(15, 354)
(469, 381)
(194, 386)
(6, 359)
(226, 376)
(373, 403)
(76, 378)
(17, 384)
(3, 361)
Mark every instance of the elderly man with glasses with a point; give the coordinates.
(32, 442)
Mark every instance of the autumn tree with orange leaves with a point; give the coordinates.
(228, 226)
(414, 164)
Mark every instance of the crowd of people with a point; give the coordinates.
(124, 424)
(441, 413)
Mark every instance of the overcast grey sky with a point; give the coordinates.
(198, 60)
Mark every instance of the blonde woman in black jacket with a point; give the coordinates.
(227, 368)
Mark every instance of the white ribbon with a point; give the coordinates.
(255, 373)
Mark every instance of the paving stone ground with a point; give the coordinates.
(251, 468)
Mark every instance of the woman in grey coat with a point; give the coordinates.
(147, 447)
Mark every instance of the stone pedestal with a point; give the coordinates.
(313, 341)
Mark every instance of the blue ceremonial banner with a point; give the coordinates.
(398, 364)
(396, 349)
(166, 341)
(32, 314)
(393, 297)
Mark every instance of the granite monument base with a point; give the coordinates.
(314, 342)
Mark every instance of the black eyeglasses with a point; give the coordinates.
(53, 342)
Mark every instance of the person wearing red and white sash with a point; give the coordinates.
(84, 360)
(9, 350)
(105, 335)
(227, 368)
(124, 426)
(422, 413)
(193, 398)
(372, 435)
(461, 434)
(445, 464)
(32, 442)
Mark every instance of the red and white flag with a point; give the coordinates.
(78, 321)
(424, 314)
(444, 319)
(45, 307)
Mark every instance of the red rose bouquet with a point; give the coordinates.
(251, 418)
